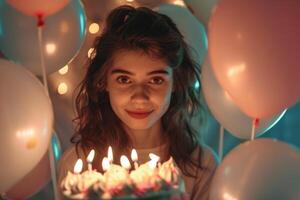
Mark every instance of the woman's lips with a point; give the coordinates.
(138, 114)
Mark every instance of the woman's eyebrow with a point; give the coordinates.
(122, 71)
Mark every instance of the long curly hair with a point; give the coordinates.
(129, 28)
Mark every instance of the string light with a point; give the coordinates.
(62, 88)
(94, 28)
(63, 70)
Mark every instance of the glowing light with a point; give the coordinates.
(134, 156)
(227, 196)
(125, 162)
(154, 157)
(152, 164)
(27, 133)
(130, 1)
(110, 155)
(236, 70)
(63, 70)
(78, 166)
(197, 85)
(105, 164)
(91, 156)
(62, 88)
(50, 48)
(179, 3)
(94, 28)
(90, 53)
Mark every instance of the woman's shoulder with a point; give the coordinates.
(68, 160)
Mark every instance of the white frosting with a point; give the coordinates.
(169, 172)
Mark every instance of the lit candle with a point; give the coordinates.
(105, 164)
(90, 159)
(125, 162)
(110, 155)
(134, 158)
(154, 159)
(78, 166)
(77, 170)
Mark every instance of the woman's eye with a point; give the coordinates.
(157, 80)
(123, 80)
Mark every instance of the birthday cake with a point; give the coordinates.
(151, 180)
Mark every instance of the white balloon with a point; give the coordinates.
(263, 169)
(226, 112)
(26, 120)
(192, 30)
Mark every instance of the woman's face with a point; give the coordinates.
(139, 88)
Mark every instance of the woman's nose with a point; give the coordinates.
(140, 94)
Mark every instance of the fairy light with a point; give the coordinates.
(62, 88)
(94, 28)
(90, 52)
(50, 48)
(64, 70)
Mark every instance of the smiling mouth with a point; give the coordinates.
(138, 115)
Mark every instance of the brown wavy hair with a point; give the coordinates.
(129, 28)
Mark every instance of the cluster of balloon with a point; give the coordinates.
(63, 34)
(193, 31)
(25, 130)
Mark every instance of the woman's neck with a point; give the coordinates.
(146, 138)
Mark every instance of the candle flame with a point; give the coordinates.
(134, 156)
(110, 154)
(78, 166)
(105, 164)
(125, 162)
(154, 157)
(152, 164)
(91, 156)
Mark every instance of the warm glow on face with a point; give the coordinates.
(78, 166)
(110, 154)
(50, 48)
(94, 28)
(105, 164)
(62, 88)
(63, 70)
(134, 156)
(91, 156)
(125, 162)
(154, 157)
(236, 70)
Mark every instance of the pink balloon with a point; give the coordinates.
(38, 7)
(254, 51)
(34, 181)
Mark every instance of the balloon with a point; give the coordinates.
(63, 35)
(259, 169)
(33, 182)
(26, 120)
(38, 7)
(201, 9)
(225, 110)
(254, 51)
(38, 177)
(192, 30)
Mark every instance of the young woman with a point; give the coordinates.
(139, 93)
